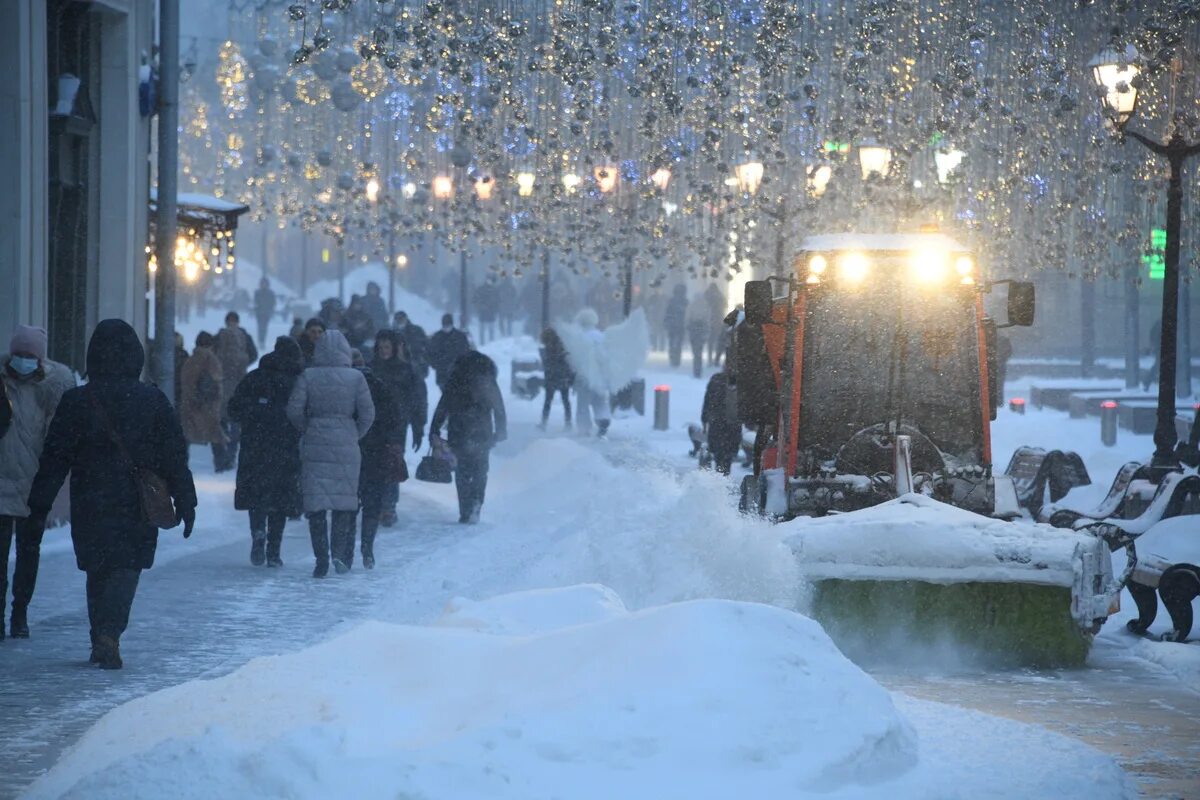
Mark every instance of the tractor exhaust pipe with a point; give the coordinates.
(904, 478)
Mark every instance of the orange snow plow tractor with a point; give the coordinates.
(867, 375)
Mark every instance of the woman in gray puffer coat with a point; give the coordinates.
(331, 406)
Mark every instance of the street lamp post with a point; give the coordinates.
(1115, 74)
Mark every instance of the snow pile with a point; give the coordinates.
(699, 699)
(915, 537)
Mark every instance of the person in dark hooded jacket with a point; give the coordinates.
(719, 418)
(473, 410)
(268, 472)
(381, 448)
(113, 542)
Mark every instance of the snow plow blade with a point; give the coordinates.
(913, 578)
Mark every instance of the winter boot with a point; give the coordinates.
(318, 531)
(108, 653)
(94, 658)
(18, 627)
(258, 548)
(387, 517)
(273, 559)
(340, 567)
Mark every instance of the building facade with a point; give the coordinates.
(75, 149)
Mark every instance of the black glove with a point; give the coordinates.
(417, 442)
(188, 517)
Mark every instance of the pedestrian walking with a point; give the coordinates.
(507, 304)
(103, 434)
(264, 307)
(719, 418)
(487, 305)
(199, 401)
(375, 307)
(382, 451)
(357, 324)
(314, 329)
(331, 407)
(557, 375)
(416, 342)
(392, 366)
(698, 329)
(237, 352)
(32, 386)
(181, 357)
(445, 347)
(655, 305)
(472, 409)
(604, 363)
(674, 321)
(268, 472)
(714, 299)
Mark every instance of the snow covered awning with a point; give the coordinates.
(894, 242)
(204, 212)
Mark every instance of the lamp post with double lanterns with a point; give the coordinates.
(1116, 73)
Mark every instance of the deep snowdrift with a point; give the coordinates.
(563, 693)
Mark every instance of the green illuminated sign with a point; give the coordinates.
(1154, 260)
(837, 147)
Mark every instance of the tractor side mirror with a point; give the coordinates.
(758, 302)
(1021, 304)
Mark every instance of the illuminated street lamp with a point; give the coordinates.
(947, 161)
(818, 178)
(525, 181)
(443, 187)
(661, 178)
(1114, 73)
(749, 175)
(484, 186)
(571, 181)
(372, 190)
(874, 159)
(606, 177)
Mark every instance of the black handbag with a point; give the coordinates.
(157, 507)
(434, 469)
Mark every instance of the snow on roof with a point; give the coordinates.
(881, 241)
(204, 202)
(918, 538)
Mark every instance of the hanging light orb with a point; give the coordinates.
(525, 181)
(571, 181)
(369, 79)
(661, 178)
(372, 190)
(443, 187)
(484, 186)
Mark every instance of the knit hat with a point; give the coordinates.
(28, 339)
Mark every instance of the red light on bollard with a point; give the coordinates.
(662, 403)
(1108, 423)
(1017, 405)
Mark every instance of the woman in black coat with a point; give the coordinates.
(382, 449)
(268, 473)
(473, 409)
(113, 543)
(393, 366)
(720, 422)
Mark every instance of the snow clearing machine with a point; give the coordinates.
(867, 377)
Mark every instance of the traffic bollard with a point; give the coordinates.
(1108, 423)
(662, 404)
(1017, 405)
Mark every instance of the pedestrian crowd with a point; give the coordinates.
(318, 428)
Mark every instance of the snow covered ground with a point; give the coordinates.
(271, 684)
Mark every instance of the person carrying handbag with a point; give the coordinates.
(122, 444)
(473, 409)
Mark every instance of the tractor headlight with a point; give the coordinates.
(930, 266)
(816, 268)
(965, 267)
(853, 267)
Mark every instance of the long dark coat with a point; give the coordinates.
(445, 348)
(385, 433)
(472, 406)
(407, 389)
(268, 473)
(719, 417)
(106, 515)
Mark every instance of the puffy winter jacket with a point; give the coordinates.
(471, 406)
(34, 400)
(332, 408)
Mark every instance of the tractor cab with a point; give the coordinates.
(879, 358)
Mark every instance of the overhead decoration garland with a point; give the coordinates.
(702, 137)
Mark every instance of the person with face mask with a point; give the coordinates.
(445, 348)
(33, 385)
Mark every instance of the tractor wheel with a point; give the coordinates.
(751, 499)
